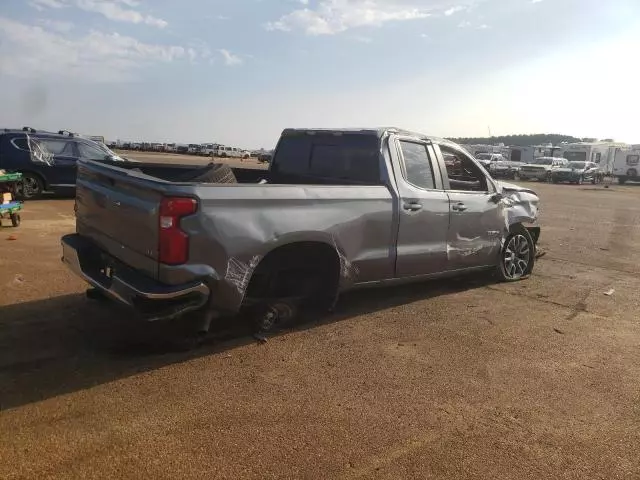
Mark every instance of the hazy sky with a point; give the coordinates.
(239, 71)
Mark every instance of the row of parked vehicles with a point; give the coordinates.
(560, 170)
(203, 149)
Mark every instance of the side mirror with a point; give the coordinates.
(496, 197)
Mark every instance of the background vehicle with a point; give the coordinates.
(265, 157)
(208, 149)
(194, 148)
(602, 154)
(578, 173)
(541, 168)
(504, 169)
(527, 155)
(486, 159)
(48, 160)
(627, 165)
(340, 209)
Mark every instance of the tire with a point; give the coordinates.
(31, 186)
(15, 219)
(212, 173)
(518, 255)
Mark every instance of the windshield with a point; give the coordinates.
(577, 165)
(543, 161)
(575, 156)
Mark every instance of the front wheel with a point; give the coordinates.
(517, 257)
(30, 187)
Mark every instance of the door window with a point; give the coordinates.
(90, 152)
(417, 165)
(464, 174)
(59, 147)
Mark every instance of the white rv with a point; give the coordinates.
(602, 154)
(626, 165)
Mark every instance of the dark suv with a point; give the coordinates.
(47, 160)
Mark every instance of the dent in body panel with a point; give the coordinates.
(235, 236)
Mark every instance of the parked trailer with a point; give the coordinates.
(528, 154)
(599, 153)
(626, 165)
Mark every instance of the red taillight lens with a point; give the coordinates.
(173, 248)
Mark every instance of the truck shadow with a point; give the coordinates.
(69, 343)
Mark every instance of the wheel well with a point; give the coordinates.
(302, 269)
(45, 185)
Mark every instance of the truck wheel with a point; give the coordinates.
(517, 257)
(15, 219)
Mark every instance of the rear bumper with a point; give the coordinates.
(124, 285)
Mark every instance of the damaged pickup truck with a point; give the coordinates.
(337, 210)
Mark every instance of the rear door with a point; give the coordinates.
(424, 210)
(477, 218)
(62, 172)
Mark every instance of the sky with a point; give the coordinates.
(237, 72)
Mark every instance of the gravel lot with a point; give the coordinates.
(460, 379)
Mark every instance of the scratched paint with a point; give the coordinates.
(347, 269)
(239, 273)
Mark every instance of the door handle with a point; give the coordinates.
(413, 207)
(459, 207)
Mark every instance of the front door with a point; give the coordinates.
(477, 222)
(423, 210)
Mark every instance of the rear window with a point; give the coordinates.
(633, 160)
(349, 157)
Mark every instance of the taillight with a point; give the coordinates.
(173, 247)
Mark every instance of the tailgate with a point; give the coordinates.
(118, 210)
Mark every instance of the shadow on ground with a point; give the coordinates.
(69, 343)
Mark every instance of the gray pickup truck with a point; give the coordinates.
(337, 210)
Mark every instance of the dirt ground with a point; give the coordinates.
(460, 379)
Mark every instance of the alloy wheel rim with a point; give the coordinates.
(516, 257)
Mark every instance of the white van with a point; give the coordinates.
(626, 165)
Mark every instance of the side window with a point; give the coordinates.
(598, 157)
(633, 160)
(417, 164)
(58, 147)
(20, 143)
(90, 152)
(463, 174)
